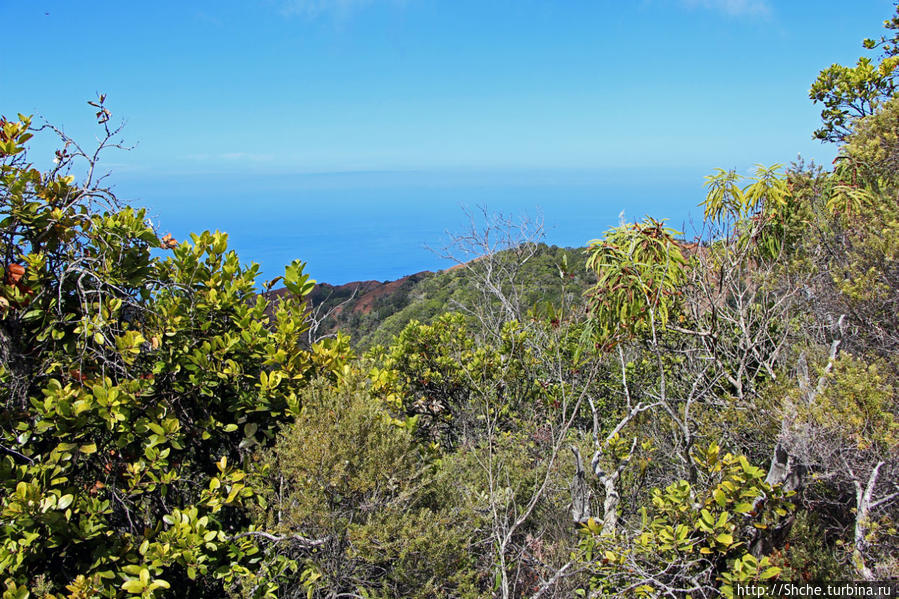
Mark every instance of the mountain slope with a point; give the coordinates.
(372, 312)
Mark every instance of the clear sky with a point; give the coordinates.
(256, 94)
(333, 85)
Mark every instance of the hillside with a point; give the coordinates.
(372, 312)
(647, 417)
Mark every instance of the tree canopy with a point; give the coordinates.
(682, 416)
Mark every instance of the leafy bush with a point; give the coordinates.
(133, 387)
(354, 478)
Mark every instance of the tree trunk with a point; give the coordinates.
(610, 504)
(785, 471)
(580, 492)
(863, 499)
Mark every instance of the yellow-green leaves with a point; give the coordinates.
(689, 526)
(640, 268)
(296, 281)
(724, 197)
(13, 135)
(727, 200)
(747, 569)
(757, 212)
(132, 372)
(129, 345)
(143, 584)
(849, 93)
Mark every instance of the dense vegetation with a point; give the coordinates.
(707, 413)
(374, 313)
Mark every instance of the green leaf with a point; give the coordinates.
(743, 508)
(135, 587)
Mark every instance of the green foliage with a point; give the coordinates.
(850, 93)
(860, 225)
(350, 474)
(424, 375)
(436, 375)
(132, 386)
(692, 537)
(761, 215)
(872, 150)
(495, 479)
(167, 431)
(640, 268)
(857, 408)
(726, 200)
(545, 277)
(810, 552)
(847, 431)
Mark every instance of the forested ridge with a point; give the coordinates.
(372, 313)
(663, 414)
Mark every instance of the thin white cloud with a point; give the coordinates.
(230, 157)
(208, 18)
(315, 8)
(736, 8)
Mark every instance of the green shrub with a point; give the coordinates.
(133, 387)
(348, 474)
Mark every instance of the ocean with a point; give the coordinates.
(385, 225)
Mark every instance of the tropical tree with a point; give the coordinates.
(137, 374)
(851, 93)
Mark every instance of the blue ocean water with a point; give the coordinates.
(361, 226)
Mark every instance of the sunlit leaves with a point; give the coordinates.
(639, 268)
(756, 212)
(125, 376)
(850, 93)
(691, 534)
(727, 200)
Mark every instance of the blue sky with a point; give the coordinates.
(287, 105)
(336, 85)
